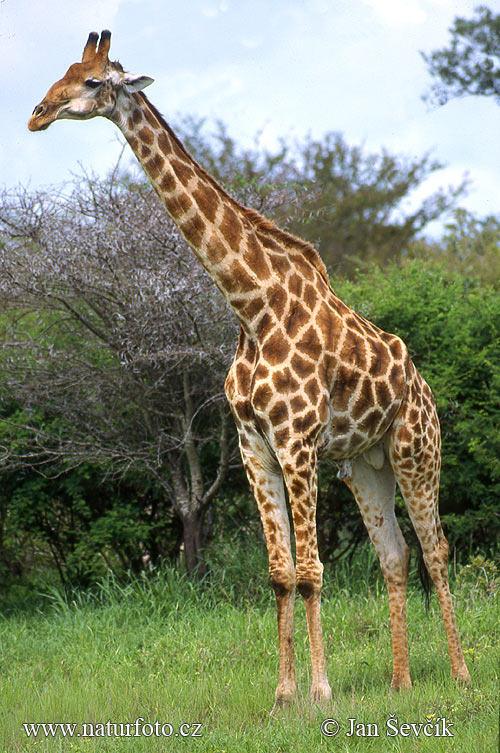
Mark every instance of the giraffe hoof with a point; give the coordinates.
(462, 676)
(401, 683)
(284, 698)
(280, 704)
(321, 693)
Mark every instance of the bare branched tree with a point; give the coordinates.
(111, 328)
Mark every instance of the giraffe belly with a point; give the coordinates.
(346, 437)
(341, 446)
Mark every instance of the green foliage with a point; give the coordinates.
(481, 575)
(450, 325)
(88, 523)
(76, 517)
(355, 214)
(112, 332)
(112, 341)
(471, 62)
(83, 524)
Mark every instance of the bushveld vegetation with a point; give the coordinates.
(118, 451)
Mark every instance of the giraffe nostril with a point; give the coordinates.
(39, 110)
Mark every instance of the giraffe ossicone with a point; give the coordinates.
(310, 379)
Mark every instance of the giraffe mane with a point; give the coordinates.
(261, 224)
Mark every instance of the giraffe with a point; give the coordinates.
(310, 379)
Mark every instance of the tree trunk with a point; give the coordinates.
(192, 525)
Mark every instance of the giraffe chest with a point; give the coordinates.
(342, 421)
(340, 394)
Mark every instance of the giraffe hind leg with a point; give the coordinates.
(373, 485)
(416, 458)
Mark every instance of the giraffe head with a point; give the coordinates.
(89, 88)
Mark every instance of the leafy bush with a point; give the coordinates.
(451, 326)
(481, 575)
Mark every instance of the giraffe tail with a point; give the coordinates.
(423, 574)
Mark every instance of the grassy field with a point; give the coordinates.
(163, 650)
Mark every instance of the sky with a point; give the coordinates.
(278, 67)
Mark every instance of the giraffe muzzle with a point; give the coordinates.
(35, 122)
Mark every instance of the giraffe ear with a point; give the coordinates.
(136, 83)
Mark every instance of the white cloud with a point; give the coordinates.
(447, 3)
(204, 91)
(212, 10)
(318, 6)
(251, 43)
(398, 12)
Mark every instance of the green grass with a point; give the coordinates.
(163, 649)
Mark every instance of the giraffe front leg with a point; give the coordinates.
(266, 481)
(300, 472)
(309, 583)
(285, 601)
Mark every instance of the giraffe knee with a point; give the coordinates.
(309, 582)
(395, 564)
(308, 588)
(282, 581)
(436, 561)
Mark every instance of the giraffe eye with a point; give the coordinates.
(93, 83)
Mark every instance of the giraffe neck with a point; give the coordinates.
(242, 252)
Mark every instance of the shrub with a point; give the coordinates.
(451, 326)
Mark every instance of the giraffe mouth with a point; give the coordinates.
(34, 126)
(45, 113)
(38, 126)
